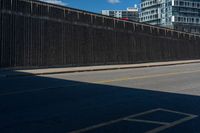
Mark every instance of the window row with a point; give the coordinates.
(149, 3)
(149, 12)
(187, 4)
(148, 18)
(187, 20)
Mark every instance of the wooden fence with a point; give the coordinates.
(37, 34)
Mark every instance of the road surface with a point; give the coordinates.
(145, 100)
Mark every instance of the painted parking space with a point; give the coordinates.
(60, 105)
(134, 121)
(94, 108)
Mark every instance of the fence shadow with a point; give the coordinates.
(41, 104)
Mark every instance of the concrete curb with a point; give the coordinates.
(101, 69)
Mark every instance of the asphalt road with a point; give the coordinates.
(144, 100)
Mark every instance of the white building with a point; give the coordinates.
(181, 15)
(131, 13)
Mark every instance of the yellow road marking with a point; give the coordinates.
(103, 81)
(145, 76)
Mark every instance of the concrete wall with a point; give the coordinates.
(35, 34)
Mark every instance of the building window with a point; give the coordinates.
(181, 3)
(176, 3)
(192, 20)
(184, 19)
(197, 20)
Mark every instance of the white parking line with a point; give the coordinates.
(112, 122)
(147, 121)
(176, 112)
(164, 125)
(189, 117)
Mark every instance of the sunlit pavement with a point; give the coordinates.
(144, 100)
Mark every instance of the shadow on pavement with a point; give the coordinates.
(37, 104)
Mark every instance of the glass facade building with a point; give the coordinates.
(181, 15)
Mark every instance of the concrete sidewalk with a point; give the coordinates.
(43, 71)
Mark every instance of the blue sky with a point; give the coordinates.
(97, 5)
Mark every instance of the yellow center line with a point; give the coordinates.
(145, 76)
(102, 81)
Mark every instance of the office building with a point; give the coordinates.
(181, 15)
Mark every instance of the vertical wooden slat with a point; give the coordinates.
(34, 34)
(1, 34)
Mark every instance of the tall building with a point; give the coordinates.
(131, 13)
(181, 15)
